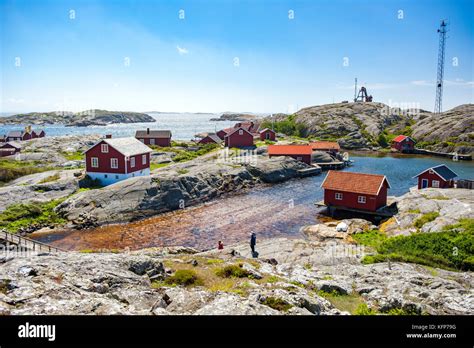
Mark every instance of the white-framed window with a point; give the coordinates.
(435, 183)
(132, 162)
(143, 159)
(94, 162)
(338, 196)
(104, 148)
(241, 132)
(152, 141)
(361, 199)
(114, 163)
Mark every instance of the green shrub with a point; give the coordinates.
(363, 309)
(17, 216)
(452, 249)
(425, 218)
(232, 271)
(382, 140)
(184, 277)
(372, 238)
(277, 303)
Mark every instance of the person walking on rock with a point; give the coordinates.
(253, 242)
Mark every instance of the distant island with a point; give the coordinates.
(235, 117)
(86, 118)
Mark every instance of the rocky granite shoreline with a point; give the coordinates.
(290, 277)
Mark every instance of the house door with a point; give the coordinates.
(424, 183)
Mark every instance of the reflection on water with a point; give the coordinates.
(270, 211)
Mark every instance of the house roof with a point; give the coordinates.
(267, 129)
(235, 130)
(442, 170)
(289, 150)
(153, 134)
(369, 184)
(401, 138)
(15, 144)
(323, 145)
(15, 134)
(251, 127)
(214, 137)
(227, 130)
(38, 131)
(126, 146)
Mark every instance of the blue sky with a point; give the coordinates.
(140, 56)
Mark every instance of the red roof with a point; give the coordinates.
(354, 182)
(399, 138)
(325, 145)
(289, 150)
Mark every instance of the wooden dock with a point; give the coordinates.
(460, 157)
(30, 244)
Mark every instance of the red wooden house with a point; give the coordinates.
(267, 134)
(154, 137)
(223, 132)
(326, 146)
(239, 137)
(298, 152)
(8, 149)
(38, 134)
(112, 160)
(18, 136)
(403, 143)
(359, 191)
(251, 127)
(211, 138)
(440, 177)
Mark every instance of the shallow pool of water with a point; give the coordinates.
(269, 211)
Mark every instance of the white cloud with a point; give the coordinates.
(182, 50)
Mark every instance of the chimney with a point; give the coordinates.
(108, 136)
(148, 131)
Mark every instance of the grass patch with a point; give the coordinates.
(349, 303)
(235, 271)
(50, 178)
(214, 261)
(21, 215)
(451, 249)
(425, 218)
(440, 198)
(363, 309)
(414, 211)
(372, 238)
(277, 303)
(73, 156)
(11, 169)
(154, 166)
(182, 171)
(184, 277)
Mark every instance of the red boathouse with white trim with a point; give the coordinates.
(358, 191)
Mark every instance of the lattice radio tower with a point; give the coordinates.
(439, 81)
